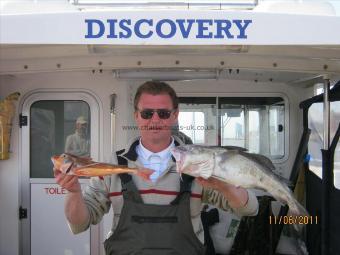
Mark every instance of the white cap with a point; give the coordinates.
(81, 120)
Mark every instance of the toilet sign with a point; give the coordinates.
(55, 190)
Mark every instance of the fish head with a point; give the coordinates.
(194, 160)
(62, 162)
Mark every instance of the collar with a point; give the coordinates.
(146, 154)
(132, 155)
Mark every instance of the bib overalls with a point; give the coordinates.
(154, 229)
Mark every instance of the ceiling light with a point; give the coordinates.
(167, 74)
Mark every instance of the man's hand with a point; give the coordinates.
(68, 182)
(237, 197)
(75, 209)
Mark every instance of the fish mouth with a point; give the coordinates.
(54, 160)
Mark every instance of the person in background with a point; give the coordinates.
(78, 143)
(161, 216)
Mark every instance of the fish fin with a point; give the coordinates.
(88, 165)
(295, 208)
(79, 168)
(145, 173)
(231, 148)
(69, 168)
(260, 159)
(66, 168)
(81, 160)
(71, 155)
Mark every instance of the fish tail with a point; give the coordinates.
(297, 209)
(145, 173)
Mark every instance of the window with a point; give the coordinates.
(193, 121)
(276, 123)
(197, 119)
(315, 144)
(254, 123)
(55, 127)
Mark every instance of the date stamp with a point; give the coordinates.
(293, 219)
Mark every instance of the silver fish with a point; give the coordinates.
(235, 167)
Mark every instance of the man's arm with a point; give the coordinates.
(76, 211)
(87, 207)
(243, 202)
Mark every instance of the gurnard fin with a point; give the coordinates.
(65, 169)
(145, 173)
(81, 160)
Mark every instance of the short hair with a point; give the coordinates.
(156, 88)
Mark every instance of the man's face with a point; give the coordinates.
(155, 128)
(82, 128)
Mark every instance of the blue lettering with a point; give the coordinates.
(138, 25)
(202, 27)
(223, 25)
(241, 28)
(112, 23)
(185, 30)
(167, 28)
(125, 28)
(172, 28)
(90, 23)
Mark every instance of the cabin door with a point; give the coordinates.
(57, 121)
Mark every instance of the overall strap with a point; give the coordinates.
(185, 187)
(129, 188)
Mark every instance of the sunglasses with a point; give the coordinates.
(162, 113)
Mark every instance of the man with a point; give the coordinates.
(78, 143)
(157, 217)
